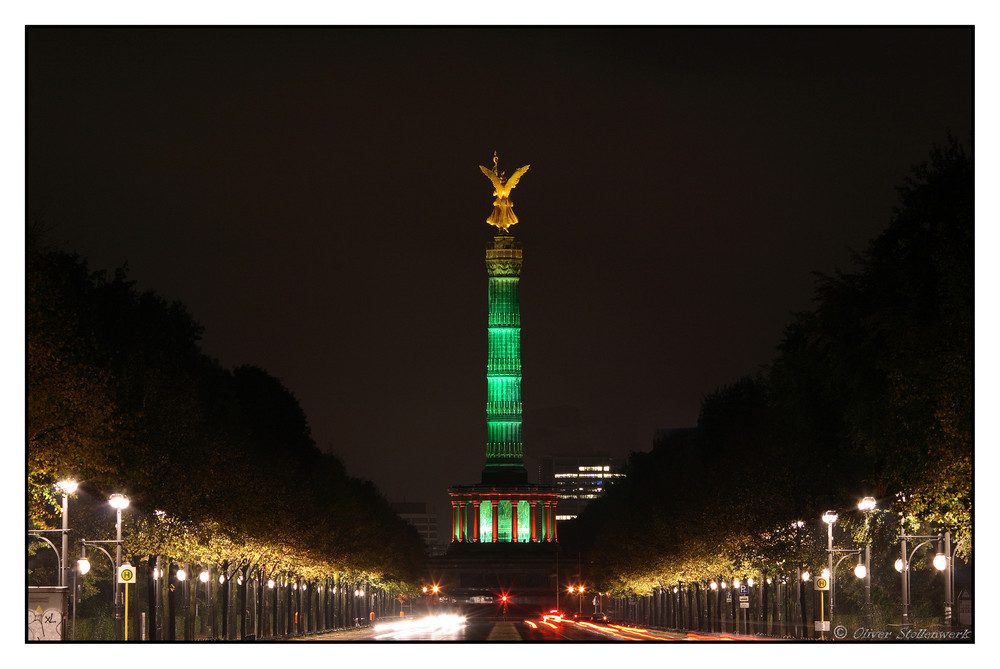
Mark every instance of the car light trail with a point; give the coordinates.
(608, 630)
(443, 624)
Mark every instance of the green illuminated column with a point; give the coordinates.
(504, 450)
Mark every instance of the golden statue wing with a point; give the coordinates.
(494, 178)
(516, 177)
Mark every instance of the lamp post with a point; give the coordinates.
(866, 506)
(68, 487)
(83, 566)
(861, 571)
(830, 517)
(118, 502)
(950, 592)
(579, 591)
(941, 563)
(206, 577)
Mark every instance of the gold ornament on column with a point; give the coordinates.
(503, 208)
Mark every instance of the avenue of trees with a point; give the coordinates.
(219, 464)
(870, 394)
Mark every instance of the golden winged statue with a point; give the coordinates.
(503, 208)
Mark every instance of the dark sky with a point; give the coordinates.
(313, 197)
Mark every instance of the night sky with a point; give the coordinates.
(313, 197)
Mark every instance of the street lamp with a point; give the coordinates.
(206, 577)
(830, 517)
(68, 487)
(940, 562)
(83, 567)
(866, 505)
(118, 502)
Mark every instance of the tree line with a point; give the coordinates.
(219, 464)
(870, 394)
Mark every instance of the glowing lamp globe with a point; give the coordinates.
(83, 564)
(866, 504)
(898, 564)
(940, 562)
(181, 575)
(118, 501)
(860, 571)
(203, 577)
(68, 486)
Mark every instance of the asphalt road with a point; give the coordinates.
(451, 628)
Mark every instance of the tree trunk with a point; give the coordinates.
(171, 602)
(152, 564)
(244, 609)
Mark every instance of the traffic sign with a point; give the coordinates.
(126, 573)
(744, 605)
(744, 589)
(822, 584)
(744, 598)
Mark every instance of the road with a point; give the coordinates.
(542, 628)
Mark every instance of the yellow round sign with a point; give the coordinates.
(822, 584)
(126, 574)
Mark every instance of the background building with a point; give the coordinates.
(425, 522)
(580, 479)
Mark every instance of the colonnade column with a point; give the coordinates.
(513, 520)
(534, 521)
(555, 525)
(475, 521)
(496, 520)
(454, 522)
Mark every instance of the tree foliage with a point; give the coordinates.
(870, 393)
(219, 465)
